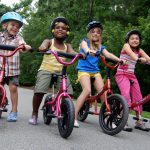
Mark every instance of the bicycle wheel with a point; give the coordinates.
(66, 122)
(83, 113)
(114, 122)
(47, 111)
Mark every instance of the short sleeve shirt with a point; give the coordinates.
(12, 67)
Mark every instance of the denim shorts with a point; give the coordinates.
(12, 79)
(44, 81)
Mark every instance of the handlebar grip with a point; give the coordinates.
(62, 54)
(110, 60)
(7, 47)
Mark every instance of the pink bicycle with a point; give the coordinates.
(3, 98)
(60, 106)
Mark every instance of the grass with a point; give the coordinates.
(145, 114)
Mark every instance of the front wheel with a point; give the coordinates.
(112, 123)
(66, 122)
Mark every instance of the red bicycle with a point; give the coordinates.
(60, 106)
(3, 98)
(113, 114)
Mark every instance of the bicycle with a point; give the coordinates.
(60, 106)
(3, 98)
(113, 114)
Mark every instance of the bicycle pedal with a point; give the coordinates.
(145, 120)
(135, 118)
(90, 112)
(51, 115)
(4, 110)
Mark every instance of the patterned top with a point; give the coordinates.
(12, 67)
(50, 63)
(90, 64)
(130, 67)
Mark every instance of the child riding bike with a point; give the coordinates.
(89, 67)
(11, 23)
(132, 53)
(60, 30)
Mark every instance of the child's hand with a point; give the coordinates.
(142, 60)
(83, 56)
(42, 48)
(92, 52)
(26, 48)
(123, 62)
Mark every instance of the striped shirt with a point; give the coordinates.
(12, 67)
(130, 67)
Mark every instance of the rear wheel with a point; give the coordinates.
(114, 122)
(83, 113)
(66, 123)
(47, 111)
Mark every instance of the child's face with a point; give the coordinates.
(95, 34)
(60, 30)
(134, 40)
(13, 27)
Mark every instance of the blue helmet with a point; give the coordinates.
(94, 24)
(12, 16)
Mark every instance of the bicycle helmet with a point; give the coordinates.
(94, 24)
(133, 32)
(59, 19)
(11, 16)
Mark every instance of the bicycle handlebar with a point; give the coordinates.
(59, 54)
(13, 49)
(7, 47)
(105, 59)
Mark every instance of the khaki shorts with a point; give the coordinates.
(44, 81)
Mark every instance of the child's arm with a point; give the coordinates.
(70, 49)
(144, 55)
(110, 55)
(86, 49)
(45, 45)
(129, 51)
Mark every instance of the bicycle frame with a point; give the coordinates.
(2, 71)
(106, 90)
(141, 102)
(62, 93)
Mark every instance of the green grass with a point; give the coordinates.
(145, 114)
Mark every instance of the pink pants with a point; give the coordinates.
(131, 93)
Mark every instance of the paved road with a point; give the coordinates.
(22, 136)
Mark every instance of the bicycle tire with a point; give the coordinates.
(47, 111)
(66, 122)
(83, 113)
(114, 122)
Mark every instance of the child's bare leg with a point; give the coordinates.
(98, 83)
(14, 96)
(86, 90)
(37, 99)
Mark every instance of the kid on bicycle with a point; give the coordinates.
(11, 23)
(132, 53)
(89, 68)
(60, 30)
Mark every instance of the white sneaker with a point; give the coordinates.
(76, 124)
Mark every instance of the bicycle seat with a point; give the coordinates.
(54, 78)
